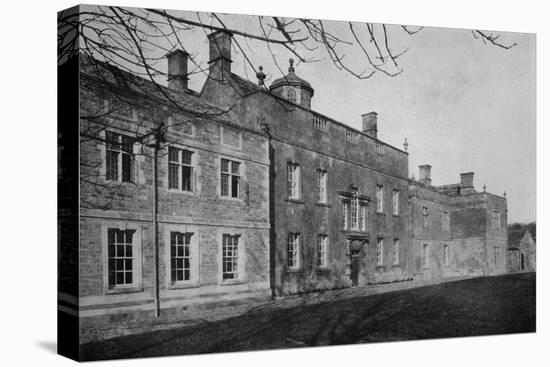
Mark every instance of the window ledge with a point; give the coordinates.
(355, 231)
(396, 266)
(380, 266)
(176, 286)
(296, 201)
(231, 198)
(380, 213)
(184, 192)
(299, 270)
(322, 204)
(396, 215)
(124, 290)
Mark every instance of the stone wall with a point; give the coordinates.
(202, 211)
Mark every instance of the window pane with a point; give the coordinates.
(127, 143)
(111, 278)
(119, 277)
(120, 250)
(225, 185)
(186, 157)
(235, 168)
(186, 178)
(173, 154)
(112, 165)
(112, 140)
(129, 279)
(235, 186)
(173, 176)
(225, 165)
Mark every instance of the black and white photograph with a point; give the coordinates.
(279, 183)
(249, 182)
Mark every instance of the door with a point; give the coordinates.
(354, 275)
(522, 261)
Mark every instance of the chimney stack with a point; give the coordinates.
(177, 70)
(370, 124)
(425, 174)
(220, 53)
(467, 180)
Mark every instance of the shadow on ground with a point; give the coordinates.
(479, 306)
(50, 346)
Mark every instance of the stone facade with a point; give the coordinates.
(456, 231)
(390, 247)
(199, 210)
(311, 203)
(522, 253)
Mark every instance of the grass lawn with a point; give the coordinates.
(479, 306)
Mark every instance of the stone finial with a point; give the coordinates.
(504, 195)
(406, 145)
(291, 67)
(484, 188)
(260, 75)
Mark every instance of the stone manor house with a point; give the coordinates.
(243, 191)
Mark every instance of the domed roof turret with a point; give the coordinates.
(291, 79)
(293, 88)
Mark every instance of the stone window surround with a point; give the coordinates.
(195, 171)
(324, 184)
(299, 184)
(138, 160)
(380, 252)
(395, 252)
(346, 198)
(379, 198)
(137, 265)
(425, 255)
(242, 173)
(241, 264)
(323, 240)
(195, 256)
(298, 243)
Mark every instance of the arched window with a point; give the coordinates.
(291, 95)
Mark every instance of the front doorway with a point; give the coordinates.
(354, 267)
(356, 251)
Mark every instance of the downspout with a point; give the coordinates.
(158, 137)
(155, 228)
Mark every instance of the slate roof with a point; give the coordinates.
(242, 86)
(104, 72)
(515, 237)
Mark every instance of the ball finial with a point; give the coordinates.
(260, 75)
(291, 67)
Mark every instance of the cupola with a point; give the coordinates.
(293, 88)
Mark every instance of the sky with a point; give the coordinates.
(462, 105)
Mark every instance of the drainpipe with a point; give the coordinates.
(158, 137)
(155, 228)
